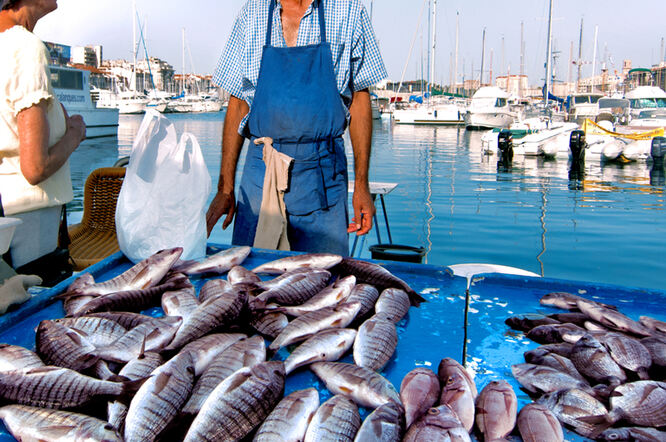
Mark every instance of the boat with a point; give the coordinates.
(533, 137)
(583, 106)
(624, 143)
(72, 87)
(448, 113)
(489, 109)
(645, 98)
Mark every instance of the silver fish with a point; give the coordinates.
(657, 349)
(218, 263)
(308, 261)
(439, 424)
(367, 295)
(567, 301)
(144, 337)
(269, 324)
(537, 423)
(336, 420)
(243, 353)
(449, 366)
(577, 318)
(458, 396)
(572, 404)
(289, 420)
(633, 434)
(64, 347)
(331, 295)
(365, 387)
(143, 275)
(296, 288)
(496, 410)
(180, 302)
(279, 280)
(241, 275)
(612, 318)
(159, 399)
(528, 321)
(37, 424)
(540, 356)
(592, 359)
(239, 404)
(128, 320)
(394, 303)
(99, 331)
(211, 314)
(653, 324)
(214, 288)
(375, 342)
(14, 357)
(561, 348)
(629, 353)
(307, 325)
(325, 346)
(555, 333)
(205, 350)
(385, 424)
(595, 326)
(82, 280)
(419, 391)
(56, 387)
(641, 403)
(541, 379)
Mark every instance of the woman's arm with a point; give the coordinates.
(38, 160)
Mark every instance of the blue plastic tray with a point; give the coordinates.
(426, 335)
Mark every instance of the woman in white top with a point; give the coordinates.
(36, 134)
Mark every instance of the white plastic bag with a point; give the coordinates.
(162, 201)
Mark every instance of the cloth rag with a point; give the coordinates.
(272, 224)
(14, 290)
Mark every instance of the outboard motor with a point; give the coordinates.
(577, 145)
(505, 146)
(658, 150)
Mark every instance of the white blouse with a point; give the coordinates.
(24, 82)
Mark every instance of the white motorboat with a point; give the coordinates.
(584, 106)
(489, 109)
(72, 87)
(646, 98)
(451, 114)
(534, 137)
(128, 102)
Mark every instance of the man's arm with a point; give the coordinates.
(224, 202)
(360, 132)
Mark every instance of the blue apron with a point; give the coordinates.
(298, 105)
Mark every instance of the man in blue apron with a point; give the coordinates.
(298, 72)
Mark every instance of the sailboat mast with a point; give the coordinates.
(522, 59)
(183, 79)
(455, 65)
(483, 54)
(580, 55)
(549, 51)
(434, 44)
(594, 55)
(134, 46)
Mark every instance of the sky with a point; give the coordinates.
(625, 31)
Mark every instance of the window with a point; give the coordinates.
(501, 102)
(62, 79)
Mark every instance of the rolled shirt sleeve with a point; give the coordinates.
(367, 67)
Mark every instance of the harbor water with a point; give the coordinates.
(606, 224)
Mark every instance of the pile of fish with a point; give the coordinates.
(598, 371)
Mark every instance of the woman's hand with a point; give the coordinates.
(76, 127)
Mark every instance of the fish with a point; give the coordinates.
(375, 342)
(324, 346)
(577, 318)
(38, 424)
(367, 295)
(449, 366)
(568, 301)
(570, 405)
(540, 356)
(337, 419)
(148, 336)
(657, 349)
(14, 357)
(458, 396)
(242, 353)
(159, 399)
(329, 296)
(289, 421)
(592, 360)
(633, 434)
(58, 388)
(496, 410)
(218, 263)
(384, 424)
(560, 348)
(419, 391)
(394, 303)
(180, 302)
(439, 424)
(240, 275)
(269, 324)
(295, 289)
(143, 275)
(64, 347)
(378, 276)
(213, 313)
(307, 261)
(528, 321)
(128, 320)
(641, 403)
(365, 387)
(99, 331)
(307, 325)
(204, 350)
(653, 324)
(84, 279)
(612, 318)
(537, 423)
(628, 353)
(595, 327)
(556, 333)
(239, 404)
(539, 379)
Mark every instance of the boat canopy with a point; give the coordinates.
(646, 92)
(490, 92)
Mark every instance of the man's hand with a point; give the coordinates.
(222, 204)
(364, 211)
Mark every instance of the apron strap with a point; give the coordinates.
(269, 31)
(322, 23)
(271, 11)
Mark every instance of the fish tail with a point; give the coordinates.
(600, 423)
(129, 390)
(415, 298)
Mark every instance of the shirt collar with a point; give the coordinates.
(308, 11)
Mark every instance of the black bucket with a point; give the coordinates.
(397, 252)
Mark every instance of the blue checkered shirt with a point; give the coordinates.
(356, 58)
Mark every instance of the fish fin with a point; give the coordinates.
(183, 265)
(649, 389)
(56, 432)
(600, 424)
(129, 390)
(161, 381)
(118, 378)
(336, 323)
(570, 409)
(414, 298)
(345, 390)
